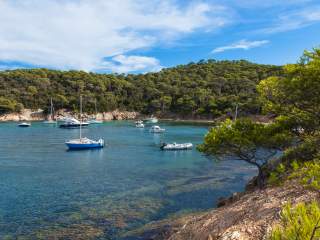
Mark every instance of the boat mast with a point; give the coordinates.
(80, 115)
(95, 106)
(51, 109)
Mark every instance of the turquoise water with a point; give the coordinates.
(49, 192)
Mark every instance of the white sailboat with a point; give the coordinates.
(51, 120)
(94, 120)
(83, 142)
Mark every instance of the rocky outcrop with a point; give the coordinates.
(24, 115)
(38, 115)
(249, 217)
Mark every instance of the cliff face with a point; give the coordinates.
(28, 115)
(24, 115)
(251, 217)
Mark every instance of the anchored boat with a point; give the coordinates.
(139, 124)
(157, 129)
(73, 123)
(176, 146)
(24, 124)
(83, 143)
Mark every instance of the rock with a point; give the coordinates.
(231, 236)
(38, 115)
(250, 217)
(24, 115)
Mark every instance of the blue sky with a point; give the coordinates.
(130, 36)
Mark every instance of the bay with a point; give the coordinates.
(49, 192)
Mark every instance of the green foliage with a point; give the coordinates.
(252, 142)
(296, 96)
(308, 174)
(8, 105)
(301, 222)
(275, 176)
(208, 88)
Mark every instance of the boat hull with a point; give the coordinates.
(24, 126)
(76, 125)
(177, 147)
(85, 144)
(76, 146)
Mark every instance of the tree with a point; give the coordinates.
(296, 95)
(247, 141)
(7, 105)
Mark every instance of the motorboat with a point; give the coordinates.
(70, 122)
(83, 142)
(139, 125)
(24, 124)
(151, 119)
(176, 146)
(138, 122)
(51, 119)
(157, 129)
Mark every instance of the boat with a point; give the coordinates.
(151, 119)
(138, 122)
(94, 120)
(176, 146)
(51, 119)
(139, 125)
(70, 122)
(83, 142)
(157, 129)
(24, 124)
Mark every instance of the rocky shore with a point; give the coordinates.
(39, 115)
(246, 216)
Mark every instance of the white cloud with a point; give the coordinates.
(242, 44)
(294, 20)
(254, 4)
(79, 34)
(125, 64)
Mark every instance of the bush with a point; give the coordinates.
(301, 222)
(308, 174)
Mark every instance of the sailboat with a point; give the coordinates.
(83, 142)
(94, 120)
(51, 120)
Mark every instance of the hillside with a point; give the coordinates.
(207, 88)
(248, 217)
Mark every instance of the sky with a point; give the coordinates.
(137, 36)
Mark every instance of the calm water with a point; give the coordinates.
(48, 192)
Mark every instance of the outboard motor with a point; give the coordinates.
(163, 145)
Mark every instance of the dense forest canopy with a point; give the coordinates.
(208, 88)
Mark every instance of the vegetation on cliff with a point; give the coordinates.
(208, 88)
(295, 99)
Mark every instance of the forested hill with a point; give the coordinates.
(208, 88)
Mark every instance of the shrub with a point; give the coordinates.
(301, 222)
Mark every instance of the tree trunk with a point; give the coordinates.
(260, 178)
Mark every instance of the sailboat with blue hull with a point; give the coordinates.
(83, 142)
